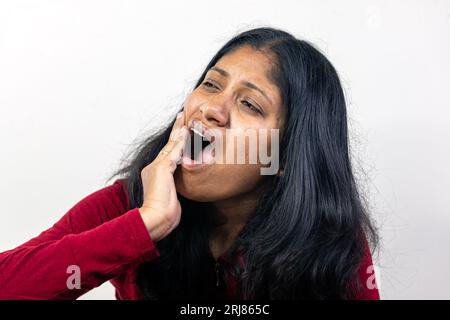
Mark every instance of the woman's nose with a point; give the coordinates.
(217, 114)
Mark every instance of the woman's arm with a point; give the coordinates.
(99, 236)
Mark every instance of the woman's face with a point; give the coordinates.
(236, 93)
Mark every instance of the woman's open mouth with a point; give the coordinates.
(199, 148)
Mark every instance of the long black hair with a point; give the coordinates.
(311, 229)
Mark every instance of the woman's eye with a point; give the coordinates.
(251, 106)
(208, 84)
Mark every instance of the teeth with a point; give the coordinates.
(200, 130)
(197, 132)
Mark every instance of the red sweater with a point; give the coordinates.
(107, 240)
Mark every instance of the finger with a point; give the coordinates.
(179, 122)
(170, 158)
(178, 140)
(174, 137)
(176, 152)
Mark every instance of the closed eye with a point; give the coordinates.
(208, 84)
(251, 106)
(247, 104)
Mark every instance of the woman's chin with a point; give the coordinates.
(195, 195)
(195, 186)
(200, 190)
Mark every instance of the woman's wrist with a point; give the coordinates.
(155, 227)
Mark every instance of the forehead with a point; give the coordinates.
(248, 64)
(247, 59)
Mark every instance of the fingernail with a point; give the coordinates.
(179, 115)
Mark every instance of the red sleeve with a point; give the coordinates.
(100, 235)
(367, 287)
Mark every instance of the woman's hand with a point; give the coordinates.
(161, 209)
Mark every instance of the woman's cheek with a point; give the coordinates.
(192, 104)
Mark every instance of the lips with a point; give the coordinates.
(199, 149)
(200, 129)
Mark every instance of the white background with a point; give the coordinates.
(80, 80)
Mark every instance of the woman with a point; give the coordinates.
(173, 227)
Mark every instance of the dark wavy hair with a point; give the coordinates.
(311, 229)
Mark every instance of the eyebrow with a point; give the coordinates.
(245, 83)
